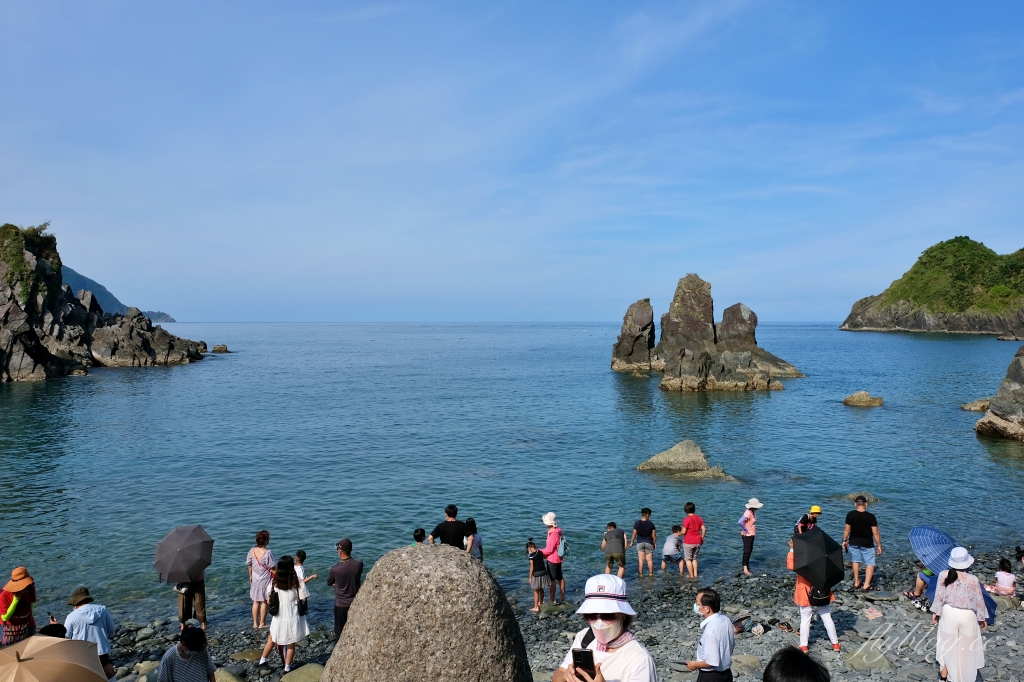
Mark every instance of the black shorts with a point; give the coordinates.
(105, 660)
(555, 571)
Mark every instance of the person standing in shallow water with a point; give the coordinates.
(748, 530)
(645, 537)
(260, 562)
(550, 552)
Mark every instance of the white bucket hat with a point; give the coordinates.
(606, 594)
(960, 559)
(548, 519)
(755, 503)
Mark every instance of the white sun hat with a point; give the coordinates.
(606, 594)
(754, 503)
(548, 519)
(960, 559)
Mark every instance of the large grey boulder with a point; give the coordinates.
(698, 355)
(1005, 416)
(46, 330)
(429, 613)
(632, 350)
(683, 460)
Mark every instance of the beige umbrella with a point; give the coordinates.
(49, 659)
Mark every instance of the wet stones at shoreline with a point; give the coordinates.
(667, 627)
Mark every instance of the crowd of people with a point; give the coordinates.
(278, 589)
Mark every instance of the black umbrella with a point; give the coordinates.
(183, 554)
(818, 558)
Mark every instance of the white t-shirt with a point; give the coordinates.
(630, 663)
(671, 546)
(1005, 580)
(301, 572)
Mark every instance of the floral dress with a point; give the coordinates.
(261, 575)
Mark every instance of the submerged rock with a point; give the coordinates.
(429, 613)
(221, 348)
(683, 460)
(1005, 416)
(862, 399)
(698, 355)
(47, 331)
(868, 497)
(632, 350)
(977, 405)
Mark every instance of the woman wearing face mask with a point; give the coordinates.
(618, 656)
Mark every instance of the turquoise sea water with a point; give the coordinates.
(318, 431)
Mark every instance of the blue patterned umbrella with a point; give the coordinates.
(932, 547)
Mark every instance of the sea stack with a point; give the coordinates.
(1005, 416)
(47, 331)
(698, 355)
(633, 349)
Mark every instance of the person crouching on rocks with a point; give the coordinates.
(618, 655)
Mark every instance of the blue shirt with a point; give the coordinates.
(91, 623)
(717, 642)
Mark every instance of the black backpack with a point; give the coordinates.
(820, 597)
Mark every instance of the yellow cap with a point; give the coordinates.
(815, 510)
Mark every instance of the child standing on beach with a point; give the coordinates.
(539, 580)
(300, 570)
(1006, 581)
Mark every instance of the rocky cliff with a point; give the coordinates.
(632, 350)
(958, 286)
(698, 355)
(1005, 416)
(46, 330)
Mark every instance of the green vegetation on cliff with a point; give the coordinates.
(959, 274)
(14, 241)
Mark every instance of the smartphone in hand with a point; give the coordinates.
(583, 659)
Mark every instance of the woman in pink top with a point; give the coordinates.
(748, 529)
(550, 552)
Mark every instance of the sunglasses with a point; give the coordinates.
(606, 617)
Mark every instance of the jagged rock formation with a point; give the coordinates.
(632, 350)
(683, 460)
(46, 331)
(862, 399)
(429, 613)
(1005, 416)
(959, 286)
(980, 405)
(698, 355)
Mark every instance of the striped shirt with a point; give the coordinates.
(198, 667)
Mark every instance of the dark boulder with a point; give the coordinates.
(633, 349)
(1005, 416)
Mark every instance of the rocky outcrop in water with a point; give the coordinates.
(698, 355)
(1005, 416)
(683, 460)
(429, 613)
(872, 314)
(47, 331)
(633, 349)
(862, 399)
(980, 405)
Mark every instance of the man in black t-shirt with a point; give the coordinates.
(859, 538)
(450, 531)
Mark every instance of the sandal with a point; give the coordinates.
(909, 594)
(785, 627)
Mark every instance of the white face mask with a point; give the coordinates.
(606, 632)
(696, 609)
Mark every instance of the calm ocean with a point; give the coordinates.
(323, 431)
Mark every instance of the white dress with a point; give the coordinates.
(288, 627)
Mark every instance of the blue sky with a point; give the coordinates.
(508, 161)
